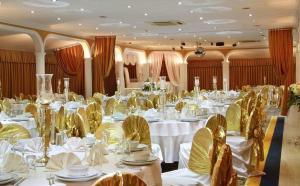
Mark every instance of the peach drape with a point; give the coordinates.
(173, 67)
(155, 60)
(76, 81)
(205, 69)
(281, 51)
(103, 61)
(251, 72)
(17, 73)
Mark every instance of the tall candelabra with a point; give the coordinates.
(66, 88)
(44, 98)
(163, 98)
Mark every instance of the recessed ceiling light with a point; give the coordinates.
(179, 3)
(121, 22)
(81, 9)
(215, 28)
(205, 40)
(79, 24)
(97, 28)
(53, 0)
(32, 11)
(165, 37)
(146, 14)
(129, 6)
(134, 38)
(191, 11)
(201, 18)
(134, 27)
(250, 15)
(58, 19)
(195, 35)
(179, 29)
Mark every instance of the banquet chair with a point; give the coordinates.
(85, 118)
(14, 132)
(113, 131)
(76, 126)
(136, 128)
(179, 106)
(155, 100)
(132, 102)
(6, 106)
(147, 104)
(223, 173)
(121, 107)
(94, 115)
(60, 119)
(110, 105)
(233, 118)
(171, 97)
(119, 179)
(98, 97)
(183, 94)
(200, 164)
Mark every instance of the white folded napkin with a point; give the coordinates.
(74, 144)
(63, 160)
(5, 147)
(151, 113)
(72, 105)
(13, 162)
(31, 145)
(96, 155)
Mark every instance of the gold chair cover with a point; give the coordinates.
(6, 105)
(147, 105)
(254, 131)
(33, 110)
(114, 130)
(98, 97)
(76, 125)
(60, 119)
(184, 94)
(14, 132)
(250, 105)
(233, 117)
(94, 116)
(110, 106)
(200, 160)
(179, 106)
(223, 173)
(120, 179)
(121, 107)
(136, 128)
(132, 102)
(85, 118)
(171, 97)
(155, 100)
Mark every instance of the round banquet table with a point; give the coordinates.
(169, 134)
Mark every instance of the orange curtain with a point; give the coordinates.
(17, 73)
(205, 69)
(76, 81)
(251, 72)
(281, 51)
(103, 61)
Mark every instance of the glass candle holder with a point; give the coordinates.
(66, 88)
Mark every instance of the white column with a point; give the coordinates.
(88, 77)
(183, 77)
(40, 62)
(225, 68)
(120, 74)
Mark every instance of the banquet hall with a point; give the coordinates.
(156, 93)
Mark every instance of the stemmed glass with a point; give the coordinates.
(31, 163)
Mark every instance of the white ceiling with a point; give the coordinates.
(227, 19)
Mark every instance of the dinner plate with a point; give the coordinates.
(7, 178)
(189, 119)
(171, 105)
(130, 161)
(151, 120)
(19, 119)
(116, 118)
(64, 174)
(79, 179)
(140, 147)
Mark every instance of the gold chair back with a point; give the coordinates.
(120, 179)
(6, 106)
(147, 104)
(110, 106)
(233, 117)
(121, 108)
(250, 105)
(33, 110)
(179, 106)
(98, 97)
(200, 160)
(223, 173)
(85, 118)
(114, 131)
(14, 132)
(155, 100)
(171, 97)
(132, 102)
(77, 126)
(61, 119)
(136, 128)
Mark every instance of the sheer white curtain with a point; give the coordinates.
(173, 61)
(155, 60)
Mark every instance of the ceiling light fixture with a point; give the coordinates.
(79, 24)
(165, 37)
(179, 29)
(134, 38)
(201, 18)
(250, 15)
(179, 3)
(215, 28)
(32, 11)
(134, 27)
(191, 11)
(121, 22)
(97, 28)
(53, 0)
(58, 19)
(81, 9)
(146, 14)
(129, 6)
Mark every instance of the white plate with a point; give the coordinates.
(19, 119)
(14, 177)
(64, 174)
(189, 119)
(151, 120)
(116, 118)
(130, 161)
(140, 147)
(79, 179)
(171, 105)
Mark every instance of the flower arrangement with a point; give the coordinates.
(294, 95)
(149, 86)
